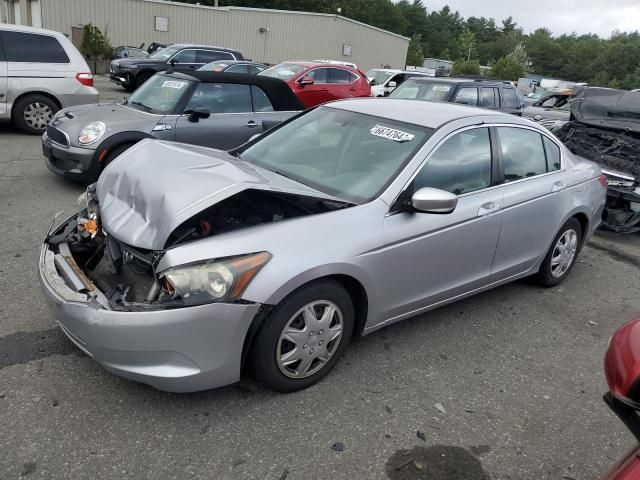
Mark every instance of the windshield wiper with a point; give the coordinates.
(146, 107)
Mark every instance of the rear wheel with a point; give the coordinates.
(32, 113)
(562, 254)
(303, 337)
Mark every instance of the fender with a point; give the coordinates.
(323, 271)
(118, 139)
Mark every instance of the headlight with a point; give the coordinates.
(212, 281)
(91, 133)
(129, 65)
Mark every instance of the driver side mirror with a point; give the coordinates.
(433, 200)
(198, 113)
(306, 81)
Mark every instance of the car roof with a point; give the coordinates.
(23, 28)
(470, 81)
(318, 64)
(194, 45)
(279, 93)
(417, 112)
(234, 62)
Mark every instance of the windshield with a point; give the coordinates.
(283, 71)
(379, 76)
(429, 91)
(344, 154)
(164, 54)
(136, 53)
(160, 94)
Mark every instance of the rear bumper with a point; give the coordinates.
(179, 350)
(73, 162)
(82, 96)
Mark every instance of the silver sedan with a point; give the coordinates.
(188, 264)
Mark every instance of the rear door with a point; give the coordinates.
(533, 191)
(231, 122)
(342, 83)
(510, 103)
(490, 98)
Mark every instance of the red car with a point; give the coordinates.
(316, 83)
(622, 370)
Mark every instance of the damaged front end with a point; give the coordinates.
(618, 154)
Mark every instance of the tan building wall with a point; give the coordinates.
(263, 35)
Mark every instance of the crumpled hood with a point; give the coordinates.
(116, 117)
(155, 186)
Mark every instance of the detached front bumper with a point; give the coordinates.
(178, 350)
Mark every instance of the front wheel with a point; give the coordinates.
(562, 254)
(303, 337)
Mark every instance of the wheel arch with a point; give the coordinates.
(49, 95)
(354, 287)
(114, 141)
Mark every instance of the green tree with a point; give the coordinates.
(415, 56)
(468, 45)
(507, 69)
(95, 45)
(519, 55)
(466, 67)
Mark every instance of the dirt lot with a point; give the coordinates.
(517, 374)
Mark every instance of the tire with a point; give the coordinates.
(32, 113)
(141, 78)
(270, 344)
(552, 273)
(115, 153)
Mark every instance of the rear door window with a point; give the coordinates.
(261, 102)
(237, 69)
(460, 165)
(523, 154)
(490, 98)
(467, 96)
(207, 56)
(222, 98)
(338, 75)
(31, 47)
(553, 154)
(509, 98)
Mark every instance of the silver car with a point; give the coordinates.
(40, 72)
(189, 263)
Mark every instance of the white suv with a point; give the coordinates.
(40, 72)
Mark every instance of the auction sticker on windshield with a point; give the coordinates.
(391, 134)
(173, 84)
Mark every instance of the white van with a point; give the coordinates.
(40, 73)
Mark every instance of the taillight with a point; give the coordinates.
(85, 79)
(603, 181)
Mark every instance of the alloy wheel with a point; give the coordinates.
(564, 253)
(37, 115)
(309, 339)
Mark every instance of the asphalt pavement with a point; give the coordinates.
(504, 385)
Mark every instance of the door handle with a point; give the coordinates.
(557, 186)
(252, 124)
(488, 208)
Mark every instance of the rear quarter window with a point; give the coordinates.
(32, 48)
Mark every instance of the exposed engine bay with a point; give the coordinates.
(618, 153)
(127, 275)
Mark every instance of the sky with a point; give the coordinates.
(559, 16)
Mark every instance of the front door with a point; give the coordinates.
(429, 258)
(317, 92)
(231, 122)
(533, 196)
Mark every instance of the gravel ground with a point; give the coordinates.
(505, 385)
